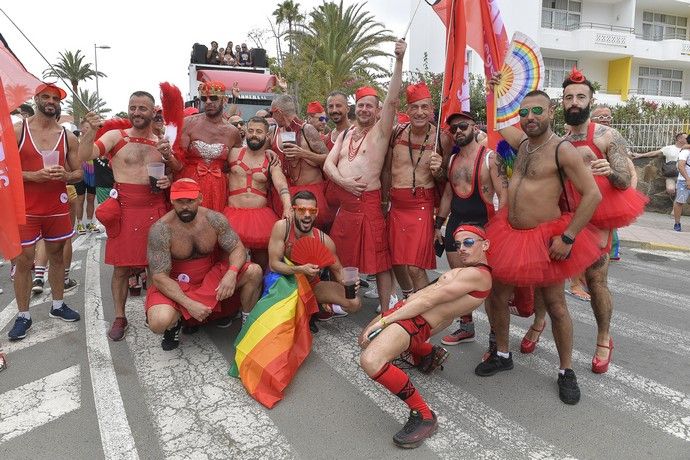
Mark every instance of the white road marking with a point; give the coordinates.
(655, 269)
(39, 402)
(673, 255)
(41, 331)
(466, 424)
(116, 434)
(198, 410)
(655, 297)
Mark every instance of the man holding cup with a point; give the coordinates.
(136, 201)
(47, 152)
(341, 292)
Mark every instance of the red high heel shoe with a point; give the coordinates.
(527, 345)
(599, 366)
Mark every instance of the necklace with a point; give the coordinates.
(540, 145)
(352, 153)
(421, 154)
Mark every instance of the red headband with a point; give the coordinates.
(472, 229)
(417, 92)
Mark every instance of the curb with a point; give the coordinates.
(654, 246)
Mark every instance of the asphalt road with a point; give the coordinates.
(70, 393)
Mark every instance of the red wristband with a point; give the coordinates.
(233, 268)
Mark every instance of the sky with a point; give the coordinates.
(150, 41)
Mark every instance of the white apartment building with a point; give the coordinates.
(627, 47)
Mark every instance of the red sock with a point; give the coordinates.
(398, 383)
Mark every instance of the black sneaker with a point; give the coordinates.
(415, 431)
(64, 313)
(494, 365)
(70, 284)
(21, 326)
(312, 325)
(37, 286)
(568, 390)
(171, 337)
(433, 360)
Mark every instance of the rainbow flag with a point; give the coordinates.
(276, 339)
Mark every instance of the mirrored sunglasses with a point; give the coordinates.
(535, 110)
(305, 209)
(467, 242)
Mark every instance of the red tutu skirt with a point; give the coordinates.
(411, 227)
(212, 181)
(618, 208)
(520, 257)
(253, 225)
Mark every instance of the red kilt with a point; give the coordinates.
(411, 227)
(359, 232)
(326, 214)
(253, 225)
(127, 220)
(617, 208)
(520, 257)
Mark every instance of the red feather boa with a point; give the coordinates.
(173, 113)
(113, 123)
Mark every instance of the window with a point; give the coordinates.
(658, 82)
(658, 26)
(561, 14)
(556, 70)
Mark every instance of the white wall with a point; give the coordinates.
(624, 13)
(599, 13)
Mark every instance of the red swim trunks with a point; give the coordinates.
(50, 228)
(520, 257)
(417, 327)
(411, 227)
(253, 225)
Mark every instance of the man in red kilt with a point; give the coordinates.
(133, 206)
(253, 169)
(534, 243)
(354, 166)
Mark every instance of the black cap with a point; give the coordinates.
(460, 114)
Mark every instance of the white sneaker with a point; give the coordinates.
(391, 303)
(372, 293)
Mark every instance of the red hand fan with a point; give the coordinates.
(311, 251)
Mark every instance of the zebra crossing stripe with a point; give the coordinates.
(41, 331)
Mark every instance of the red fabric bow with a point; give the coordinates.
(202, 170)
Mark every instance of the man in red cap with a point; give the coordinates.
(302, 153)
(412, 192)
(135, 202)
(48, 155)
(189, 282)
(354, 165)
(409, 325)
(316, 116)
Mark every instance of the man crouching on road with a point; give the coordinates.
(187, 280)
(408, 326)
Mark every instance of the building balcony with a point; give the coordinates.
(662, 49)
(588, 36)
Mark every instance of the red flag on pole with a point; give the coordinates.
(19, 84)
(454, 74)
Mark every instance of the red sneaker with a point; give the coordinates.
(117, 330)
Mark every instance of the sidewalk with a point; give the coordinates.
(655, 231)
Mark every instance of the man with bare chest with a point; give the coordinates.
(412, 193)
(302, 152)
(354, 165)
(253, 170)
(133, 205)
(534, 243)
(188, 280)
(474, 175)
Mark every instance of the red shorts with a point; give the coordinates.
(253, 225)
(417, 327)
(198, 279)
(359, 233)
(411, 227)
(50, 228)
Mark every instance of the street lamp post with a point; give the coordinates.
(95, 61)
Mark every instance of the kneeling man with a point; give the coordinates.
(408, 326)
(301, 225)
(188, 281)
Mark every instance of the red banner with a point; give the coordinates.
(456, 44)
(19, 84)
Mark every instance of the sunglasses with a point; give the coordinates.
(467, 242)
(603, 118)
(237, 123)
(535, 110)
(305, 209)
(209, 98)
(462, 126)
(158, 118)
(323, 119)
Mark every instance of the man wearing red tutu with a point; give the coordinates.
(188, 279)
(354, 166)
(534, 243)
(605, 151)
(253, 169)
(206, 140)
(133, 206)
(302, 152)
(413, 193)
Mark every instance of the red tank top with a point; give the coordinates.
(42, 198)
(249, 187)
(481, 294)
(589, 142)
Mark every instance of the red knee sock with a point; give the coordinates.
(398, 383)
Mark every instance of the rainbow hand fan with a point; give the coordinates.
(522, 72)
(311, 251)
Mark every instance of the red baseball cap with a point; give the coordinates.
(184, 189)
(51, 86)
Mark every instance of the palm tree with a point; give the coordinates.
(92, 101)
(345, 40)
(288, 11)
(71, 67)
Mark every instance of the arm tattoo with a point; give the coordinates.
(314, 140)
(502, 169)
(618, 159)
(576, 137)
(158, 251)
(227, 238)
